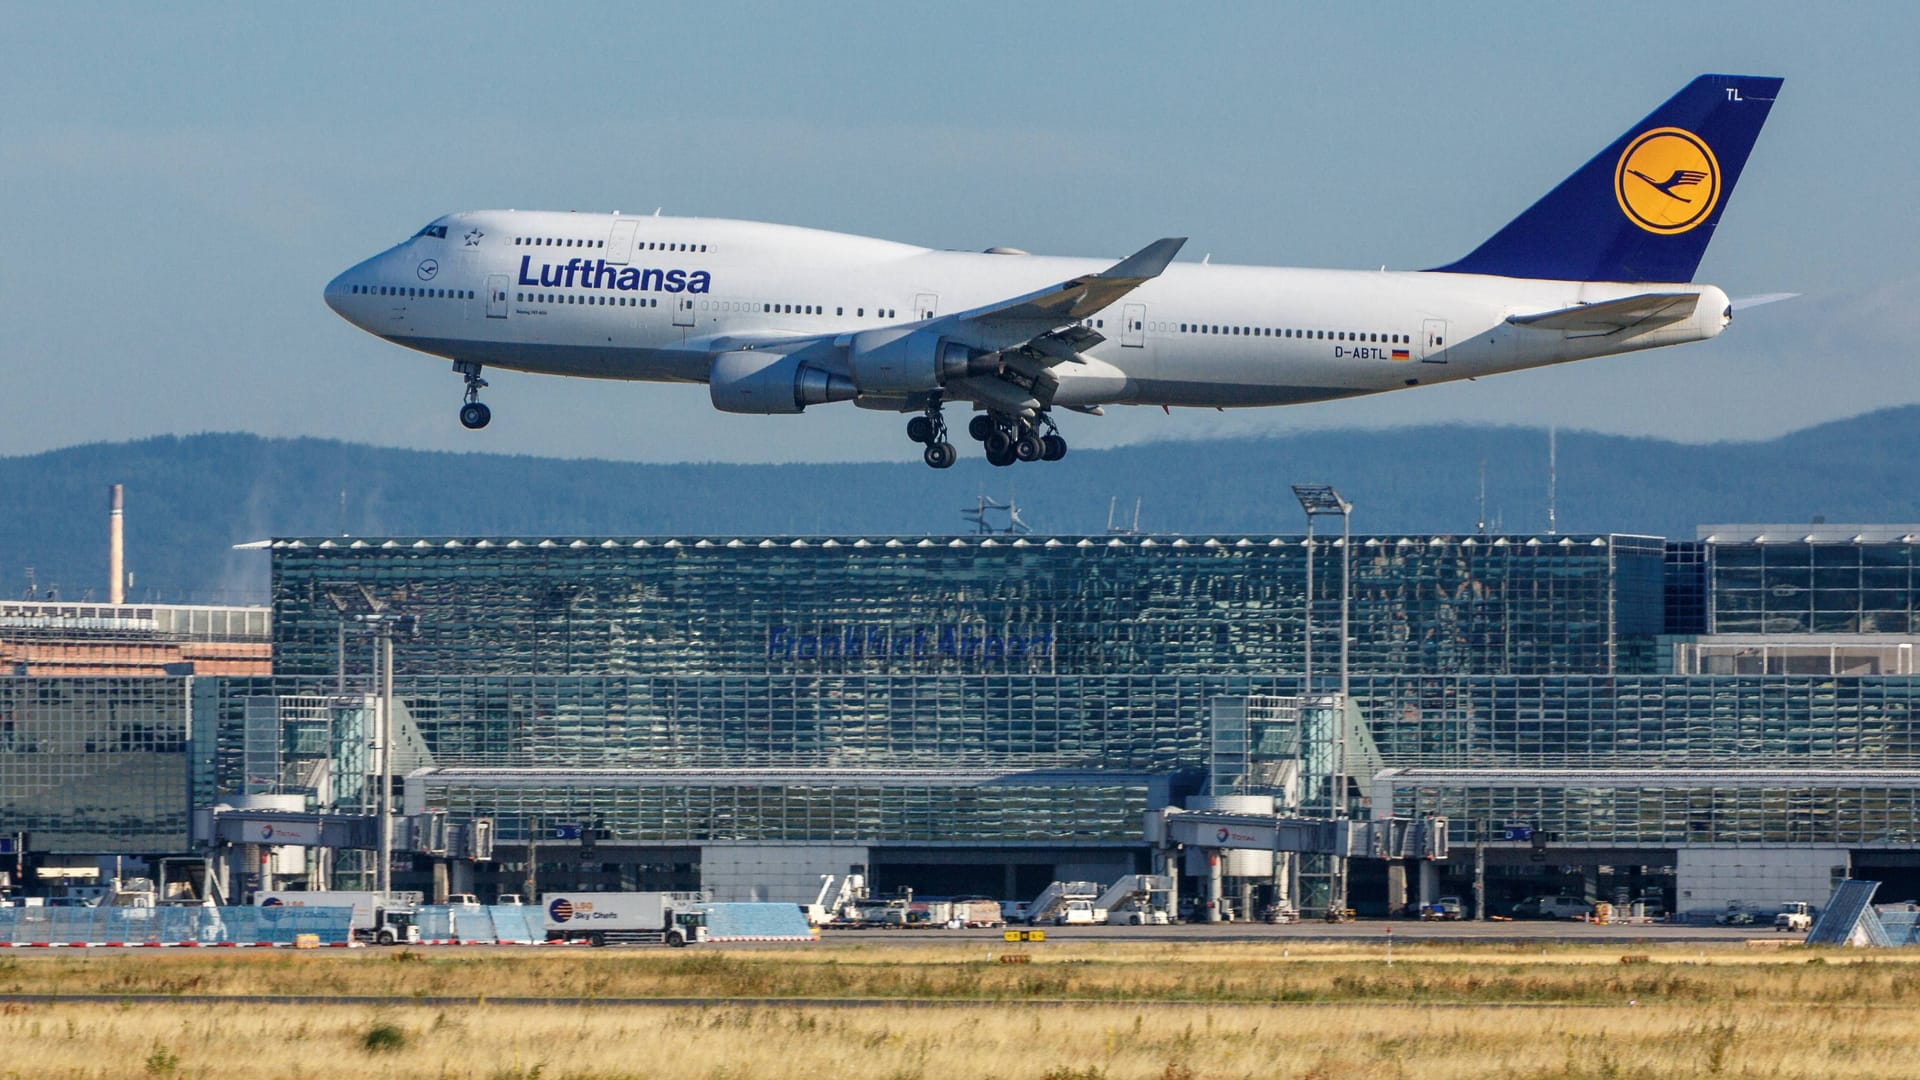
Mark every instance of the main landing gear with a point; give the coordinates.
(1009, 439)
(474, 415)
(931, 429)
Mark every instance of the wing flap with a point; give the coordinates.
(1638, 312)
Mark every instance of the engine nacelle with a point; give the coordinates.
(892, 363)
(767, 383)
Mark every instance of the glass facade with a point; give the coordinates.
(822, 807)
(1826, 814)
(1815, 587)
(769, 678)
(96, 766)
(1144, 724)
(1068, 606)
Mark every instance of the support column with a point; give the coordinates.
(1396, 886)
(1479, 883)
(439, 881)
(1213, 886)
(1170, 866)
(1429, 882)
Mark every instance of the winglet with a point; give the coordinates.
(1147, 262)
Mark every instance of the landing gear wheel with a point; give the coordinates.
(473, 415)
(941, 455)
(920, 429)
(1053, 448)
(999, 441)
(1028, 447)
(980, 427)
(1001, 457)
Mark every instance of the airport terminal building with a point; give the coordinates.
(1728, 717)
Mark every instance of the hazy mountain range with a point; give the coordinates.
(191, 498)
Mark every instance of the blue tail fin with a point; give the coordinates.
(1644, 208)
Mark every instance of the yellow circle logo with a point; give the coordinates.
(1667, 181)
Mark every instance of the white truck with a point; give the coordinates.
(626, 918)
(1079, 913)
(1795, 916)
(380, 920)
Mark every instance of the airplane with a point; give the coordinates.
(776, 318)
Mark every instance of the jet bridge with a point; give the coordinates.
(1341, 838)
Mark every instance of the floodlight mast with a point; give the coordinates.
(1321, 500)
(383, 625)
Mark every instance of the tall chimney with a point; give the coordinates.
(116, 551)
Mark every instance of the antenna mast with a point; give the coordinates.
(1553, 479)
(1482, 525)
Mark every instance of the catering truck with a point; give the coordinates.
(378, 919)
(675, 919)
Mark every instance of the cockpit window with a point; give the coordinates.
(438, 232)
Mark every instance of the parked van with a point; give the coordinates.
(1551, 907)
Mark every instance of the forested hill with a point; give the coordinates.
(189, 499)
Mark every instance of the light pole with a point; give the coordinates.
(1321, 500)
(383, 625)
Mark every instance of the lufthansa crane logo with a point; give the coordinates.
(1667, 181)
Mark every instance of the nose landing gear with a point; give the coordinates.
(474, 415)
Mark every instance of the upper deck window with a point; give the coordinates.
(438, 232)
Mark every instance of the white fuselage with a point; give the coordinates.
(655, 298)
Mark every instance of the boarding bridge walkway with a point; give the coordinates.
(1849, 918)
(1346, 838)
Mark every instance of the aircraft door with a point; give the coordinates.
(496, 296)
(925, 305)
(1133, 326)
(682, 312)
(620, 242)
(1433, 341)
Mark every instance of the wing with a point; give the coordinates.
(1011, 344)
(1641, 312)
(1053, 313)
(1077, 298)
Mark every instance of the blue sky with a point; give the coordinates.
(178, 182)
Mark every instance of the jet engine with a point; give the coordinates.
(765, 383)
(895, 362)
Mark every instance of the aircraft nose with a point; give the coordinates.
(336, 295)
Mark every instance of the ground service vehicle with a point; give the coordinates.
(1445, 909)
(1551, 907)
(377, 919)
(626, 918)
(1796, 916)
(1079, 913)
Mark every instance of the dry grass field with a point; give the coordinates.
(1092, 1011)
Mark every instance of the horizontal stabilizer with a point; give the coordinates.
(1643, 311)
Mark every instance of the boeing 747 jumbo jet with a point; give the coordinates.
(774, 318)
